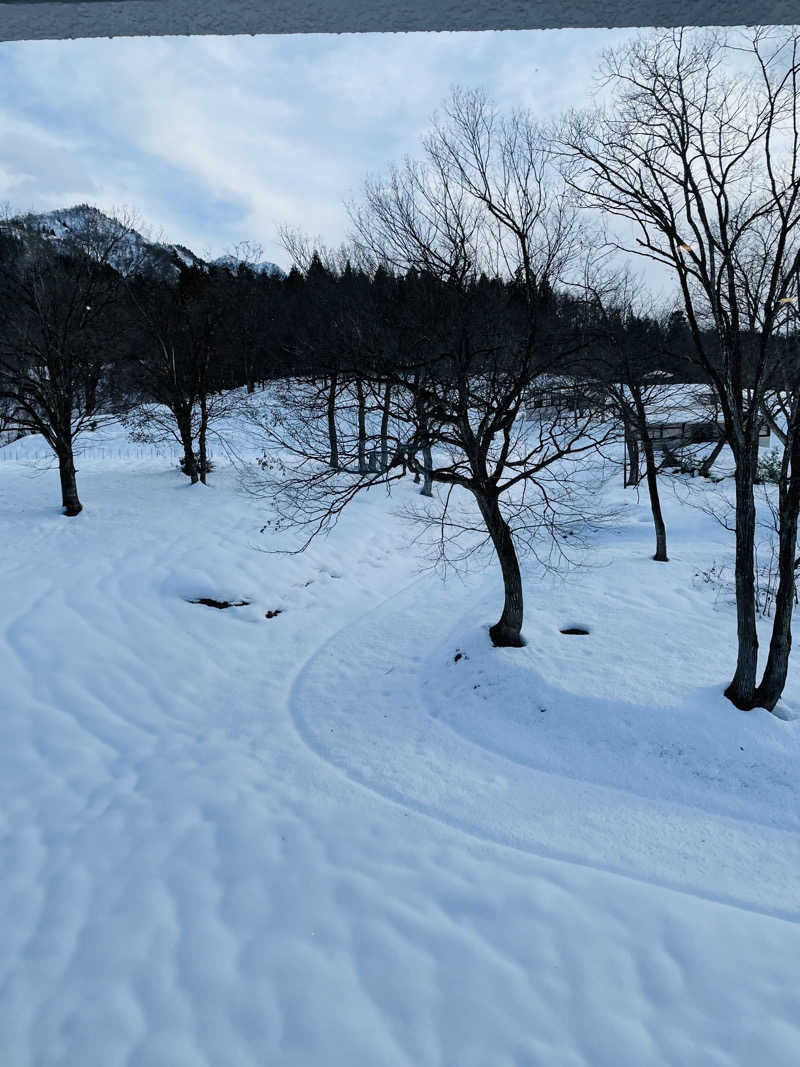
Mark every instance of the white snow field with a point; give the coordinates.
(321, 840)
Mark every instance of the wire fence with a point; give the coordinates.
(11, 453)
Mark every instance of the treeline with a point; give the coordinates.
(80, 337)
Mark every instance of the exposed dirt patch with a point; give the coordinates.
(211, 603)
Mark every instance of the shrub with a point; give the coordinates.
(769, 468)
(182, 464)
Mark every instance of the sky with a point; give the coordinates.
(217, 140)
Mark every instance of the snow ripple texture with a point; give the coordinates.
(319, 840)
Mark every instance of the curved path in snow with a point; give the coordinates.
(393, 730)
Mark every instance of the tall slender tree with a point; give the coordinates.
(705, 165)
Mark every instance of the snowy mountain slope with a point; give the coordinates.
(262, 267)
(154, 257)
(320, 839)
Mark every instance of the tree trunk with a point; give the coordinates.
(90, 395)
(69, 486)
(248, 365)
(655, 501)
(362, 428)
(773, 424)
(651, 471)
(774, 679)
(427, 467)
(387, 396)
(399, 457)
(427, 462)
(633, 477)
(507, 631)
(201, 441)
(742, 690)
(332, 435)
(189, 462)
(711, 458)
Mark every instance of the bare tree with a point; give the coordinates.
(667, 424)
(467, 349)
(705, 166)
(58, 300)
(174, 364)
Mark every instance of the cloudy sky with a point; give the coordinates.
(214, 140)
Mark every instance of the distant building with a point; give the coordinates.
(561, 393)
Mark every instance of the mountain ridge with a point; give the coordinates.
(159, 258)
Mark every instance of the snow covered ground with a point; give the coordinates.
(321, 840)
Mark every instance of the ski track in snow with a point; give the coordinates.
(212, 856)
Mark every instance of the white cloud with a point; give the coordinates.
(37, 166)
(219, 139)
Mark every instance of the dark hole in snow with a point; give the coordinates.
(457, 657)
(574, 630)
(211, 603)
(272, 614)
